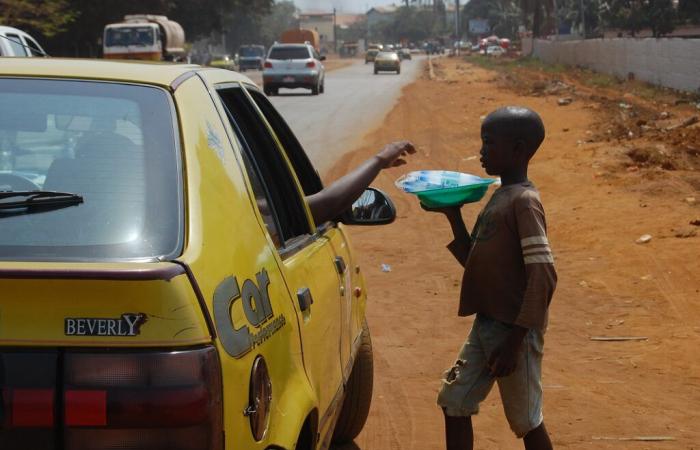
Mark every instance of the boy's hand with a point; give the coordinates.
(391, 154)
(504, 359)
(446, 210)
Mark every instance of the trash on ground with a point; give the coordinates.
(386, 268)
(643, 239)
(565, 101)
(686, 123)
(618, 338)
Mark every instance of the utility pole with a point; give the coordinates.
(457, 21)
(583, 18)
(335, 34)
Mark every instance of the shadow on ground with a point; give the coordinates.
(350, 446)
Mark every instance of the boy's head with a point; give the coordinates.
(510, 136)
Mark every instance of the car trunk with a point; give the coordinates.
(88, 349)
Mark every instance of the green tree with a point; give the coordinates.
(282, 16)
(636, 15)
(570, 13)
(503, 16)
(45, 18)
(539, 14)
(689, 10)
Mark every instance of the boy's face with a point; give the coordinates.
(497, 152)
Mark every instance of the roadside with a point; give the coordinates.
(599, 201)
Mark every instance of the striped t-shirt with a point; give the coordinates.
(508, 266)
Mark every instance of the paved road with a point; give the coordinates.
(355, 103)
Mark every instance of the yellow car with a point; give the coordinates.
(370, 55)
(223, 62)
(387, 62)
(164, 285)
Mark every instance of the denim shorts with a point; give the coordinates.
(468, 382)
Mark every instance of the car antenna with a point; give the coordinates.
(43, 53)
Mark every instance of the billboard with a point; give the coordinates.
(479, 26)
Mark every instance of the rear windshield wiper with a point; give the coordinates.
(38, 199)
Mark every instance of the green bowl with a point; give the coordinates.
(438, 198)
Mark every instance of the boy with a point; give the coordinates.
(508, 283)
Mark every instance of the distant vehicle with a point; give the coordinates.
(405, 53)
(387, 62)
(495, 50)
(251, 57)
(145, 37)
(293, 66)
(14, 42)
(301, 36)
(370, 55)
(223, 62)
(378, 47)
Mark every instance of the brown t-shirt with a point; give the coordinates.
(508, 268)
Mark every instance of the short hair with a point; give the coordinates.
(519, 124)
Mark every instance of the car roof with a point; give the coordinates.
(290, 45)
(4, 29)
(156, 73)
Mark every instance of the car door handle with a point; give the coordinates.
(305, 299)
(340, 264)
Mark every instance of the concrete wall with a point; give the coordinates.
(669, 62)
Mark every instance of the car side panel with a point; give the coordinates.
(227, 248)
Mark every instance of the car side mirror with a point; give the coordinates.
(372, 208)
(323, 58)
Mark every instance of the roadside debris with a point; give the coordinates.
(695, 222)
(565, 101)
(690, 200)
(643, 239)
(635, 438)
(386, 268)
(686, 123)
(618, 338)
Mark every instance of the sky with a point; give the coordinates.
(346, 6)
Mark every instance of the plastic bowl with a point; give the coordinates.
(441, 188)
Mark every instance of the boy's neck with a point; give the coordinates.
(516, 176)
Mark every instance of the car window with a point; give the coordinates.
(33, 46)
(16, 45)
(282, 197)
(307, 174)
(289, 53)
(114, 145)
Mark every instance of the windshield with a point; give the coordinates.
(250, 52)
(289, 53)
(123, 36)
(112, 144)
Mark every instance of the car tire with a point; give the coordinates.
(398, 71)
(376, 71)
(323, 87)
(315, 89)
(358, 394)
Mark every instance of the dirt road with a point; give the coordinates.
(598, 394)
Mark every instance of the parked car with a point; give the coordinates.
(161, 271)
(387, 62)
(14, 42)
(370, 55)
(223, 62)
(495, 50)
(251, 57)
(294, 66)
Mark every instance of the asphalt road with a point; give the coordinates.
(355, 103)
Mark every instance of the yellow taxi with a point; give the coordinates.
(163, 283)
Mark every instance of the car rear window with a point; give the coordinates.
(113, 144)
(289, 53)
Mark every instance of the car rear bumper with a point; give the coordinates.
(290, 81)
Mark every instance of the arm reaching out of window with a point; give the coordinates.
(339, 196)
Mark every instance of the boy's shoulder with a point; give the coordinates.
(525, 196)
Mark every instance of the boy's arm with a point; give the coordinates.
(460, 245)
(541, 281)
(340, 195)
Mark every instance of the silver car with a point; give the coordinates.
(293, 66)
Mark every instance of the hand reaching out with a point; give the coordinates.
(391, 155)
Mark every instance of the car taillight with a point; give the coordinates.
(28, 400)
(268, 65)
(143, 401)
(311, 64)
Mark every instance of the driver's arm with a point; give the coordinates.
(330, 202)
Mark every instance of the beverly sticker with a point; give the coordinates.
(129, 324)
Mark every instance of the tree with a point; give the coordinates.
(689, 10)
(542, 13)
(570, 14)
(503, 16)
(636, 15)
(45, 18)
(282, 16)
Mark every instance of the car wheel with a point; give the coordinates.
(323, 87)
(314, 89)
(376, 71)
(358, 395)
(398, 71)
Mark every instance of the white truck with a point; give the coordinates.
(145, 37)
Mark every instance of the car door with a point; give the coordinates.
(332, 232)
(306, 258)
